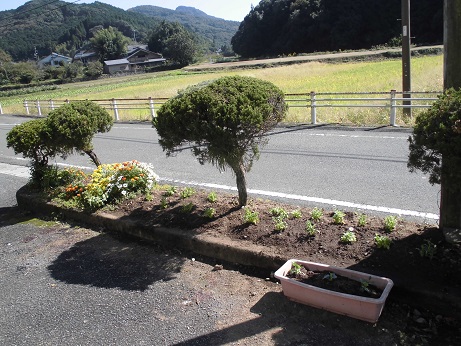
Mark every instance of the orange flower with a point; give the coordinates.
(124, 178)
(78, 195)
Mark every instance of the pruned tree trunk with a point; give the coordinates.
(93, 157)
(239, 171)
(450, 200)
(450, 208)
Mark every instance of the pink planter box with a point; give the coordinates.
(363, 308)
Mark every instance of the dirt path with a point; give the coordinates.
(304, 58)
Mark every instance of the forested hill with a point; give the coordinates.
(276, 27)
(64, 27)
(216, 31)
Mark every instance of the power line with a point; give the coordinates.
(35, 8)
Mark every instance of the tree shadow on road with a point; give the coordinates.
(114, 261)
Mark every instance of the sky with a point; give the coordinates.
(226, 9)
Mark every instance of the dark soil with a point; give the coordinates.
(403, 262)
(334, 282)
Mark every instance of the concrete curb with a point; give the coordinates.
(442, 300)
(220, 248)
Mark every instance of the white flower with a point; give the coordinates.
(123, 192)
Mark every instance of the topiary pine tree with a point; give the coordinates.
(31, 139)
(224, 121)
(72, 127)
(67, 129)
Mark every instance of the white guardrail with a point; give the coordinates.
(391, 100)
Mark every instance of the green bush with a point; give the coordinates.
(437, 134)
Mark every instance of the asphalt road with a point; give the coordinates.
(327, 166)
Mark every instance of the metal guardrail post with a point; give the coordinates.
(313, 109)
(1, 109)
(393, 108)
(152, 108)
(114, 104)
(51, 104)
(39, 109)
(26, 106)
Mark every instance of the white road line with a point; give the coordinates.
(17, 171)
(342, 136)
(23, 172)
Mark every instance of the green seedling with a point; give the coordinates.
(251, 216)
(188, 208)
(209, 213)
(296, 214)
(163, 203)
(279, 213)
(382, 242)
(338, 217)
(310, 228)
(349, 236)
(187, 192)
(428, 249)
(280, 224)
(362, 221)
(316, 214)
(170, 191)
(295, 268)
(364, 286)
(330, 276)
(390, 222)
(212, 197)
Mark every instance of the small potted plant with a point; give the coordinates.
(367, 306)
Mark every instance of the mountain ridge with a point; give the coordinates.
(65, 27)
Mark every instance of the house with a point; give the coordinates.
(54, 60)
(86, 56)
(136, 58)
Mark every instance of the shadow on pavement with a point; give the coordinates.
(295, 324)
(13, 215)
(113, 261)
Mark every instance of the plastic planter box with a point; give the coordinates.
(363, 308)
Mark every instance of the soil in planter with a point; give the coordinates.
(335, 282)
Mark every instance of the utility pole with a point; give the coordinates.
(406, 56)
(452, 44)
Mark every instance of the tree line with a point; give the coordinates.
(177, 44)
(277, 27)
